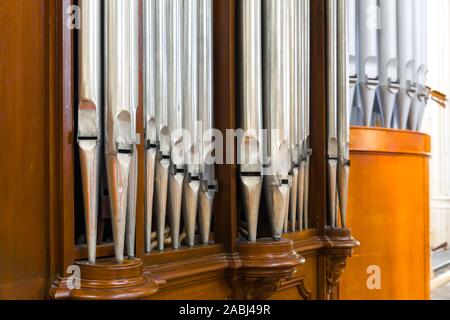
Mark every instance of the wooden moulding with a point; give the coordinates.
(255, 272)
(107, 280)
(338, 246)
(387, 141)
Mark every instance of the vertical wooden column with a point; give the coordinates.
(62, 136)
(225, 207)
(318, 180)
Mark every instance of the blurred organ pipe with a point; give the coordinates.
(401, 66)
(388, 59)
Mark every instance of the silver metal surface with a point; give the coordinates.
(389, 81)
(134, 100)
(307, 144)
(250, 106)
(121, 97)
(420, 56)
(130, 238)
(151, 142)
(406, 60)
(176, 172)
(294, 83)
(301, 115)
(367, 56)
(332, 110)
(352, 45)
(276, 113)
(191, 185)
(89, 116)
(342, 107)
(205, 102)
(162, 120)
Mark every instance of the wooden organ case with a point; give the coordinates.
(303, 265)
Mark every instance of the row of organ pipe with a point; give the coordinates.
(340, 83)
(178, 95)
(274, 113)
(388, 62)
(274, 154)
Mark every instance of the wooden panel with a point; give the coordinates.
(318, 179)
(23, 137)
(388, 214)
(213, 289)
(304, 284)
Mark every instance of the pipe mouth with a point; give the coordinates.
(255, 174)
(372, 83)
(177, 170)
(191, 177)
(94, 138)
(150, 145)
(394, 85)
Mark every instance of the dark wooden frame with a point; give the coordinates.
(229, 263)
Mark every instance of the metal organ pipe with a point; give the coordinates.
(276, 110)
(121, 95)
(287, 94)
(423, 66)
(294, 55)
(251, 110)
(342, 107)
(352, 50)
(402, 93)
(162, 120)
(405, 16)
(301, 114)
(151, 142)
(332, 110)
(307, 152)
(89, 116)
(368, 56)
(134, 102)
(191, 186)
(206, 116)
(389, 84)
(420, 47)
(176, 173)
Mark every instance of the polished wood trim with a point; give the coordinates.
(107, 280)
(318, 180)
(225, 203)
(170, 255)
(103, 251)
(388, 211)
(388, 141)
(64, 137)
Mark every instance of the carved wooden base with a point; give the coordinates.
(257, 270)
(338, 247)
(105, 280)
